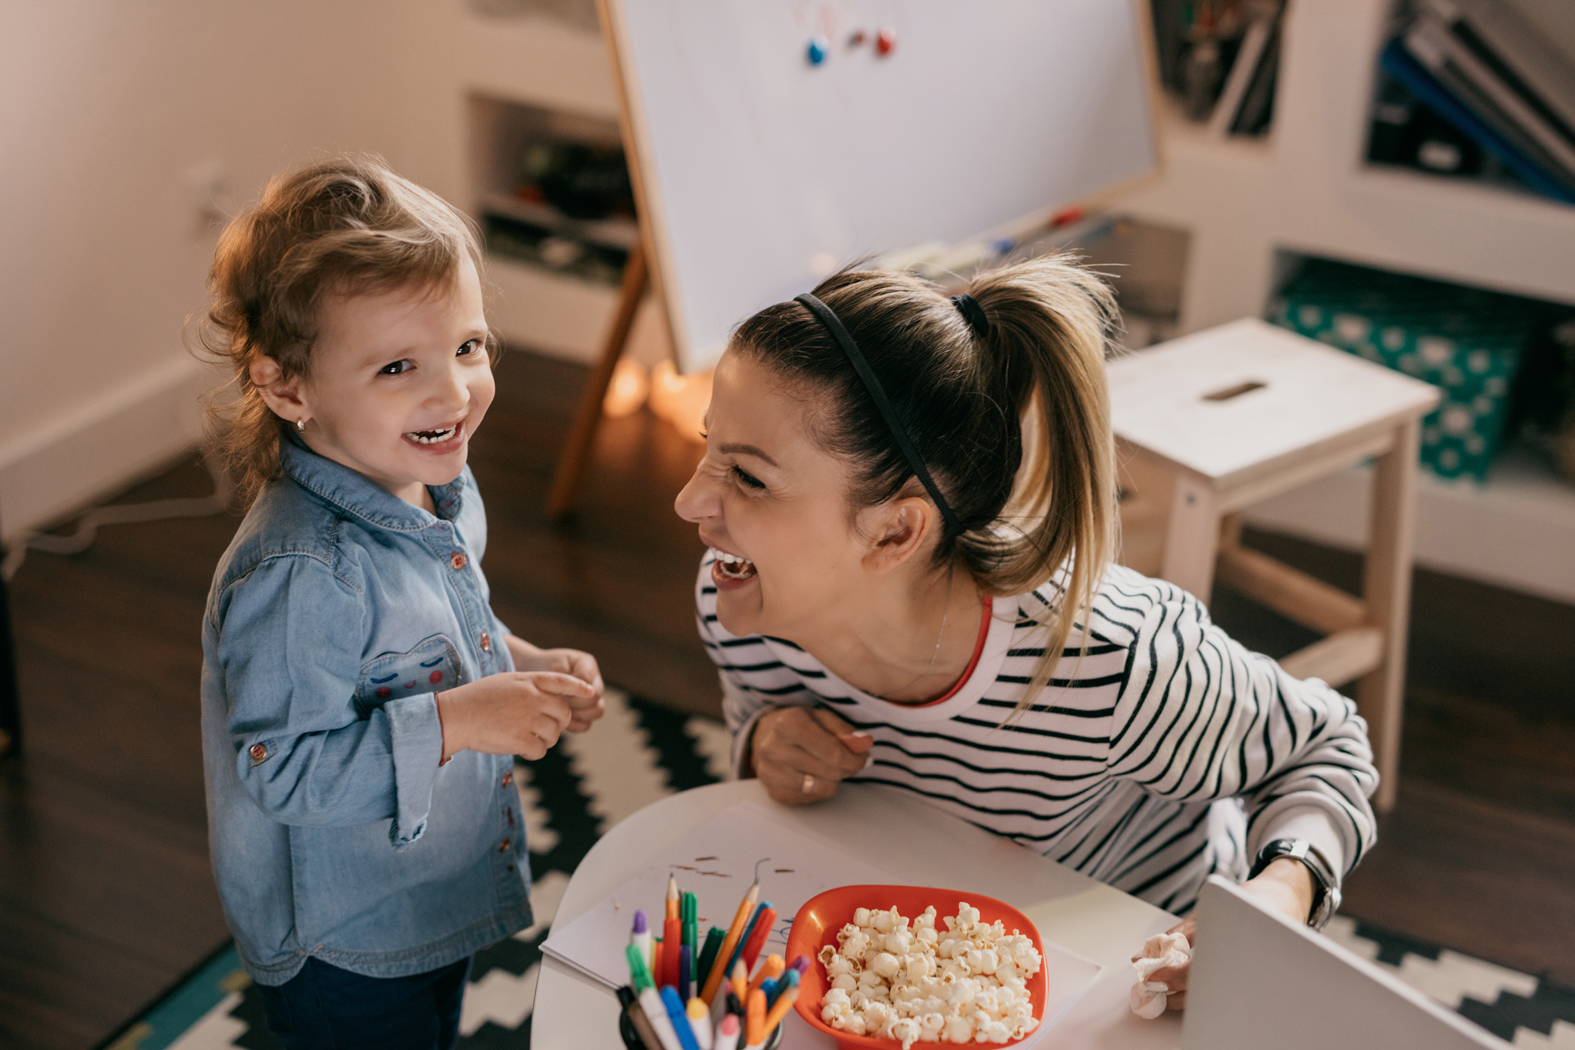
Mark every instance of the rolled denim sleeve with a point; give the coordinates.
(291, 640)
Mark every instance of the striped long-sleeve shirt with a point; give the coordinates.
(1162, 752)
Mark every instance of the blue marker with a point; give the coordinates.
(679, 1018)
(819, 48)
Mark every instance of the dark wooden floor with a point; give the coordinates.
(105, 891)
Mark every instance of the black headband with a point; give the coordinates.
(824, 315)
(973, 313)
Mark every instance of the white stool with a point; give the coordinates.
(1211, 423)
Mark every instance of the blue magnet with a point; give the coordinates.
(819, 48)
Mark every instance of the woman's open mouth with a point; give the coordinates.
(730, 568)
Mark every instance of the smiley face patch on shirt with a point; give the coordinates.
(430, 667)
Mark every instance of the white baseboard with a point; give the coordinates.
(101, 446)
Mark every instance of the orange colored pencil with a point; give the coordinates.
(772, 967)
(779, 1010)
(746, 908)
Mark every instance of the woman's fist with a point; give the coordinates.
(801, 754)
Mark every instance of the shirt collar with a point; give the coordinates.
(355, 494)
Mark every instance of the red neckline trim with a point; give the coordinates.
(978, 651)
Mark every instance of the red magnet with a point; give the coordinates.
(885, 40)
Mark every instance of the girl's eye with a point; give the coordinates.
(470, 346)
(747, 479)
(395, 368)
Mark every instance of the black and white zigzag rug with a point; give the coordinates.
(641, 751)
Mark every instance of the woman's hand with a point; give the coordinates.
(801, 754)
(514, 713)
(1285, 886)
(564, 661)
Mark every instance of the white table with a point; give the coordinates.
(897, 831)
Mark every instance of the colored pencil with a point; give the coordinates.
(784, 1003)
(744, 938)
(772, 967)
(740, 982)
(735, 933)
(764, 920)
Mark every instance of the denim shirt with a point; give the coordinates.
(336, 615)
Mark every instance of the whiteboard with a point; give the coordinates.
(759, 172)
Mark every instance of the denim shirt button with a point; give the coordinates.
(503, 847)
(486, 642)
(457, 560)
(508, 778)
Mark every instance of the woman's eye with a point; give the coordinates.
(395, 368)
(747, 479)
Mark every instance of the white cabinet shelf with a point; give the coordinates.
(1306, 189)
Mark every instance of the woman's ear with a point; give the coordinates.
(898, 530)
(282, 396)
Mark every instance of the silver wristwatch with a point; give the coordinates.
(1326, 881)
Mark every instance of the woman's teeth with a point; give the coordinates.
(432, 437)
(732, 566)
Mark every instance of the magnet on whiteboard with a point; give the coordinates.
(885, 40)
(856, 38)
(822, 264)
(819, 48)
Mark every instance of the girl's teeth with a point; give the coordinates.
(431, 437)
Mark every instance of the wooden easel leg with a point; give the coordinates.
(571, 464)
(1386, 588)
(1192, 538)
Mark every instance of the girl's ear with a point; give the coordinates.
(282, 396)
(898, 530)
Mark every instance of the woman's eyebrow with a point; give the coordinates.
(748, 450)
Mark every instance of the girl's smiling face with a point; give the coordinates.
(771, 503)
(399, 380)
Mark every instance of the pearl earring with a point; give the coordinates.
(300, 424)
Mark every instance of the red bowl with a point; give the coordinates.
(818, 921)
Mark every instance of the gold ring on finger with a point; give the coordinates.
(808, 785)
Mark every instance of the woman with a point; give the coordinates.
(910, 508)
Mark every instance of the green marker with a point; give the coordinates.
(713, 944)
(639, 976)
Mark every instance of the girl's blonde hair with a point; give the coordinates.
(345, 226)
(1013, 424)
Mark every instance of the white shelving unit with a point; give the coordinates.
(1307, 190)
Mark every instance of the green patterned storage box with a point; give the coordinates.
(1466, 341)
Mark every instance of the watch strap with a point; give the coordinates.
(1326, 881)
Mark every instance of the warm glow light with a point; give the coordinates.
(681, 400)
(628, 389)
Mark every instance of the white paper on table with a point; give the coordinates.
(717, 863)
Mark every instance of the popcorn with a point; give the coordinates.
(907, 981)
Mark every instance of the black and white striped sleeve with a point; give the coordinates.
(754, 679)
(1201, 717)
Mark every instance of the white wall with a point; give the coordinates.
(107, 106)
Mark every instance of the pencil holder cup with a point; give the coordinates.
(631, 1038)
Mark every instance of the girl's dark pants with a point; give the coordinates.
(326, 1008)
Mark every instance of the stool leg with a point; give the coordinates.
(1192, 537)
(1380, 694)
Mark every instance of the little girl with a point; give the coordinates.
(361, 704)
(910, 502)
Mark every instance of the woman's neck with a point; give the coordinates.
(908, 647)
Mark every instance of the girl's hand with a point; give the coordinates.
(564, 661)
(1285, 886)
(515, 713)
(801, 754)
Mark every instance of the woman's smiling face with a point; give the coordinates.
(772, 504)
